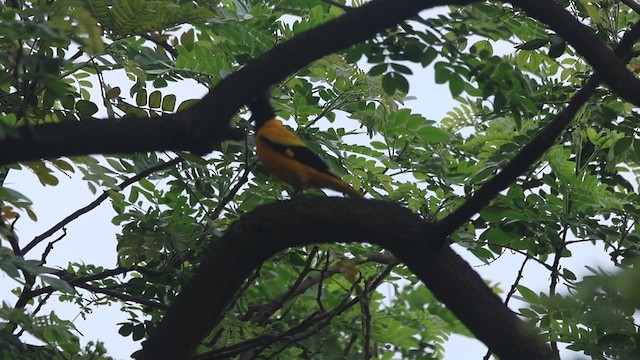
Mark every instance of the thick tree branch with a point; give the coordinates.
(192, 130)
(268, 230)
(535, 149)
(632, 4)
(110, 136)
(356, 25)
(202, 127)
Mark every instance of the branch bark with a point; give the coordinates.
(193, 130)
(268, 230)
(202, 127)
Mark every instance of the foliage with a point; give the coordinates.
(509, 76)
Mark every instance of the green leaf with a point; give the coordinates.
(527, 294)
(401, 83)
(58, 284)
(62, 165)
(442, 73)
(126, 329)
(12, 196)
(428, 57)
(113, 93)
(388, 84)
(533, 44)
(568, 274)
(622, 145)
(528, 313)
(155, 99)
(138, 332)
(187, 104)
(86, 108)
(401, 69)
(378, 69)
(68, 102)
(456, 85)
(493, 213)
(497, 236)
(141, 97)
(378, 145)
(147, 185)
(593, 12)
(434, 134)
(169, 103)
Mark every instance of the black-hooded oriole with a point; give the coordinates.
(287, 157)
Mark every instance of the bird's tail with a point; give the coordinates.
(334, 183)
(348, 190)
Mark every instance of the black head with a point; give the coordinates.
(261, 109)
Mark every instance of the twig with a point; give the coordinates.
(273, 306)
(347, 348)
(123, 297)
(303, 286)
(514, 286)
(170, 49)
(366, 322)
(512, 291)
(322, 275)
(35, 311)
(555, 274)
(47, 250)
(523, 253)
(316, 319)
(244, 287)
(38, 239)
(326, 317)
(232, 193)
(74, 281)
(12, 237)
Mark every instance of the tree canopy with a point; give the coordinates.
(216, 259)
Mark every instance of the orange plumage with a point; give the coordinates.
(287, 157)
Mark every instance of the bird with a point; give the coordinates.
(287, 157)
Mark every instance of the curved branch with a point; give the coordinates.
(202, 127)
(268, 230)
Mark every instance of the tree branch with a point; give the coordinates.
(534, 150)
(202, 127)
(82, 282)
(632, 5)
(268, 230)
(38, 239)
